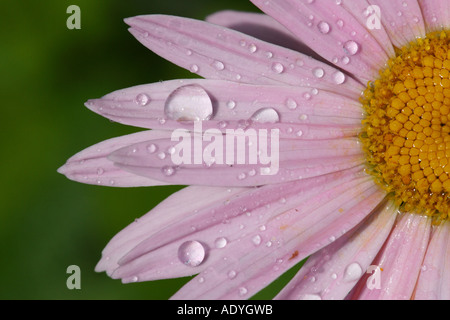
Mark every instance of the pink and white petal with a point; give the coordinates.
(92, 165)
(231, 105)
(215, 52)
(434, 279)
(261, 26)
(336, 34)
(287, 239)
(436, 14)
(402, 20)
(239, 163)
(400, 260)
(180, 206)
(331, 273)
(195, 209)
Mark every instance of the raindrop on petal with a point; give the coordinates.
(277, 67)
(168, 171)
(351, 47)
(220, 242)
(266, 115)
(256, 240)
(324, 27)
(339, 77)
(191, 253)
(318, 72)
(353, 272)
(189, 103)
(142, 99)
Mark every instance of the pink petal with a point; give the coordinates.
(400, 260)
(333, 271)
(215, 52)
(297, 108)
(434, 279)
(251, 265)
(195, 209)
(179, 207)
(261, 26)
(92, 166)
(294, 159)
(402, 20)
(334, 31)
(436, 14)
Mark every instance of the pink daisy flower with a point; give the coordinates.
(343, 108)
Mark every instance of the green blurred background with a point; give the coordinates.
(48, 222)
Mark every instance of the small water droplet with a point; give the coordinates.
(324, 27)
(168, 171)
(291, 104)
(162, 155)
(242, 291)
(345, 60)
(219, 65)
(191, 253)
(231, 104)
(232, 274)
(220, 242)
(318, 72)
(142, 99)
(303, 117)
(351, 47)
(100, 171)
(340, 23)
(334, 276)
(151, 148)
(269, 55)
(309, 296)
(189, 103)
(278, 67)
(307, 96)
(252, 48)
(256, 240)
(134, 279)
(266, 115)
(194, 68)
(353, 272)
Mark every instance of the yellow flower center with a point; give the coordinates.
(406, 129)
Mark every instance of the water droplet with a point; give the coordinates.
(162, 155)
(191, 253)
(303, 117)
(256, 240)
(318, 72)
(324, 27)
(269, 55)
(291, 104)
(278, 67)
(334, 276)
(353, 272)
(189, 103)
(134, 279)
(340, 23)
(231, 104)
(339, 77)
(307, 96)
(168, 171)
(100, 171)
(252, 48)
(345, 60)
(299, 133)
(351, 47)
(220, 242)
(232, 274)
(142, 99)
(242, 291)
(242, 43)
(151, 148)
(266, 115)
(194, 68)
(218, 65)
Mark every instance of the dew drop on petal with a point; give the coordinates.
(339, 77)
(353, 272)
(193, 68)
(142, 99)
(252, 48)
(266, 115)
(256, 240)
(351, 47)
(340, 23)
(218, 65)
(232, 274)
(318, 72)
(242, 291)
(291, 104)
(151, 148)
(189, 103)
(278, 67)
(220, 242)
(168, 171)
(324, 27)
(231, 104)
(310, 296)
(191, 253)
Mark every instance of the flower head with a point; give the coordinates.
(321, 130)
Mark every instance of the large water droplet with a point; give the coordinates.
(256, 240)
(142, 99)
(351, 47)
(219, 65)
(189, 103)
(277, 67)
(339, 77)
(191, 253)
(266, 115)
(353, 272)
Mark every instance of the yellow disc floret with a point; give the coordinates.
(407, 125)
